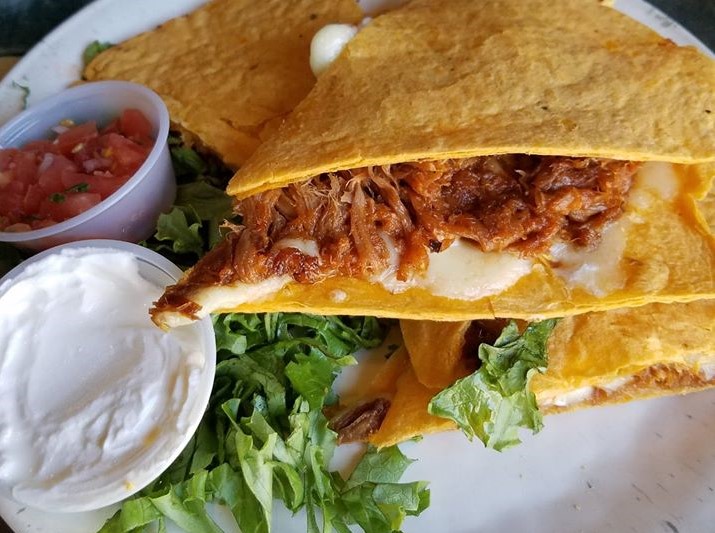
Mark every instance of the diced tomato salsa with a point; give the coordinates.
(49, 181)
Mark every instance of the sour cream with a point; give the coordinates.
(95, 398)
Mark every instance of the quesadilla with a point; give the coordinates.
(227, 72)
(461, 160)
(593, 359)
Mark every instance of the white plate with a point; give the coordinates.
(643, 467)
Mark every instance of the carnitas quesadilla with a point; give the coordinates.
(462, 160)
(227, 72)
(593, 359)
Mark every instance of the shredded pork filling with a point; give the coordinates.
(359, 422)
(515, 203)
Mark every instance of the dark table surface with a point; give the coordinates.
(24, 22)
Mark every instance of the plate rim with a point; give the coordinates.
(95, 8)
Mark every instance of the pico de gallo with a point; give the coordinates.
(49, 181)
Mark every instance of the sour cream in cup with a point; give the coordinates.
(96, 400)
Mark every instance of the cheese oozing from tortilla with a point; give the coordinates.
(703, 365)
(462, 271)
(327, 44)
(653, 180)
(565, 399)
(216, 298)
(598, 271)
(707, 370)
(582, 394)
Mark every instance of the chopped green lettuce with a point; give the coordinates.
(493, 402)
(206, 200)
(93, 49)
(179, 231)
(373, 496)
(187, 161)
(193, 226)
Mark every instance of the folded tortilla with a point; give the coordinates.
(438, 80)
(594, 359)
(227, 71)
(444, 80)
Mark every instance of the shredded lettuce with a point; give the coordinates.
(265, 436)
(187, 161)
(193, 226)
(93, 49)
(495, 401)
(179, 231)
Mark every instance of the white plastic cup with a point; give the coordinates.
(160, 272)
(131, 213)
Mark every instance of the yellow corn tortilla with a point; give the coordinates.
(229, 71)
(437, 80)
(706, 206)
(437, 366)
(652, 351)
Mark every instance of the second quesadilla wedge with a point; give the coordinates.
(226, 71)
(594, 359)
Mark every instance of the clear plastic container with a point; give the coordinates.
(131, 213)
(149, 465)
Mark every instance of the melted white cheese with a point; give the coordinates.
(305, 246)
(707, 371)
(583, 394)
(462, 272)
(613, 386)
(705, 365)
(569, 398)
(599, 271)
(338, 296)
(327, 45)
(214, 298)
(653, 180)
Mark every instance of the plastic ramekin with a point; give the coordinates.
(161, 272)
(131, 213)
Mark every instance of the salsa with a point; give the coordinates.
(49, 181)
